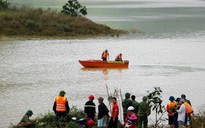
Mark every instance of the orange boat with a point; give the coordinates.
(104, 64)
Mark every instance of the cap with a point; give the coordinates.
(62, 93)
(100, 99)
(91, 97)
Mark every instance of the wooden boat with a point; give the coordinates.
(104, 64)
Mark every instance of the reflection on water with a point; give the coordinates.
(104, 71)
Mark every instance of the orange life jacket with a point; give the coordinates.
(170, 105)
(188, 107)
(105, 54)
(61, 104)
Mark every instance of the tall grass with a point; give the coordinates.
(27, 21)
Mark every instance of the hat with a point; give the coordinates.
(127, 94)
(171, 98)
(91, 97)
(62, 93)
(100, 99)
(29, 112)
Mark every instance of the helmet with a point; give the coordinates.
(90, 123)
(130, 108)
(171, 98)
(91, 97)
(144, 98)
(127, 95)
(29, 112)
(62, 93)
(106, 50)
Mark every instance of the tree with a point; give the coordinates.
(3, 5)
(156, 103)
(73, 8)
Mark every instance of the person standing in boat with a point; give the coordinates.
(119, 57)
(105, 55)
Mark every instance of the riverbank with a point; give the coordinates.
(48, 120)
(30, 22)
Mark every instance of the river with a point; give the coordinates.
(169, 53)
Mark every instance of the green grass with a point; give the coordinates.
(27, 21)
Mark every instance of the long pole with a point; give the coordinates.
(108, 97)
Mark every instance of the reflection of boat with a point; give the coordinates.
(104, 64)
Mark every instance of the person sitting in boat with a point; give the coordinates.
(119, 57)
(105, 55)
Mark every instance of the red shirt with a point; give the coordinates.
(115, 108)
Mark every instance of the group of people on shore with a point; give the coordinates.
(179, 111)
(135, 114)
(105, 56)
(132, 110)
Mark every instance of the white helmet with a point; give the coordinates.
(130, 108)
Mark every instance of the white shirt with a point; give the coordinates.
(181, 113)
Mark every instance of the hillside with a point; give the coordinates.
(27, 21)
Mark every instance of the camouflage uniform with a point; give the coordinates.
(125, 104)
(143, 113)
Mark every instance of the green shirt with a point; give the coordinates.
(125, 104)
(135, 104)
(144, 109)
(25, 119)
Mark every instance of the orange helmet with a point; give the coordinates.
(90, 123)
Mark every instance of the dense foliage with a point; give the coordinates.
(74, 8)
(3, 5)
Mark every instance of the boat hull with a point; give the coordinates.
(104, 64)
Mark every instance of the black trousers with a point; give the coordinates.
(60, 118)
(113, 124)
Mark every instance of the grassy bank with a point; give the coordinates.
(26, 21)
